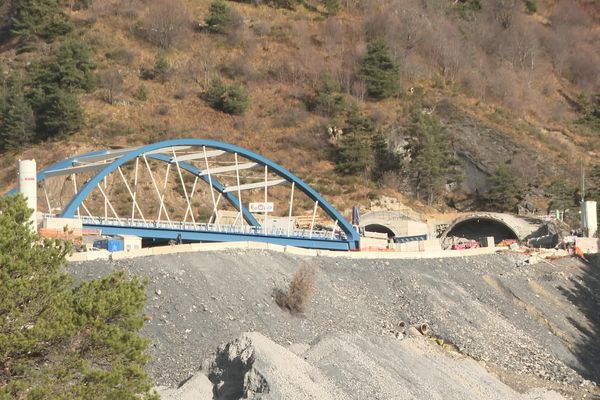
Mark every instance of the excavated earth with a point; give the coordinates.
(499, 328)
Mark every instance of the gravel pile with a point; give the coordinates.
(344, 367)
(518, 321)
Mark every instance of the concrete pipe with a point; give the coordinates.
(423, 328)
(401, 325)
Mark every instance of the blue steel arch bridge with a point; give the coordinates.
(194, 190)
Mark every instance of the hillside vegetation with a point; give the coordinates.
(437, 100)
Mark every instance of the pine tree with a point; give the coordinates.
(215, 93)
(161, 67)
(384, 160)
(38, 18)
(332, 6)
(17, 122)
(69, 68)
(353, 153)
(380, 71)
(236, 100)
(58, 340)
(327, 100)
(59, 115)
(218, 14)
(564, 197)
(432, 162)
(592, 191)
(505, 191)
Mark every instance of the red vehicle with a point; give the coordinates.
(472, 244)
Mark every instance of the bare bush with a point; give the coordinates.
(112, 82)
(166, 23)
(297, 298)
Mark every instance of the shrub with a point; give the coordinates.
(297, 298)
(229, 99)
(141, 93)
(166, 22)
(161, 67)
(215, 93)
(112, 82)
(327, 100)
(380, 71)
(236, 99)
(531, 6)
(332, 6)
(218, 14)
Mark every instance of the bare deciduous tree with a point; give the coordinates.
(112, 82)
(166, 22)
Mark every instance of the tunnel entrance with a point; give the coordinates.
(480, 228)
(380, 229)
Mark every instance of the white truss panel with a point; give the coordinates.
(108, 155)
(76, 170)
(249, 186)
(168, 150)
(228, 168)
(197, 156)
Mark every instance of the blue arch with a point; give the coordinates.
(160, 157)
(351, 234)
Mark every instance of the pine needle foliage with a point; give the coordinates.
(432, 163)
(505, 191)
(59, 340)
(380, 71)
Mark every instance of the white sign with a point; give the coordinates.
(262, 207)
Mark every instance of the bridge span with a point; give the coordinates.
(192, 190)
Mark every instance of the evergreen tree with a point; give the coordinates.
(432, 162)
(59, 115)
(505, 191)
(69, 68)
(332, 6)
(380, 71)
(354, 154)
(38, 18)
(384, 160)
(57, 340)
(215, 93)
(564, 197)
(161, 67)
(236, 100)
(327, 100)
(218, 14)
(592, 191)
(229, 99)
(17, 122)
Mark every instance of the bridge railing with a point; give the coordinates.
(219, 228)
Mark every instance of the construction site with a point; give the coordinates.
(476, 305)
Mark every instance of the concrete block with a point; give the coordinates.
(588, 245)
(98, 255)
(61, 223)
(370, 242)
(77, 257)
(300, 251)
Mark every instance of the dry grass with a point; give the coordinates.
(297, 298)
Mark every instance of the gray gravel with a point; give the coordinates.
(346, 367)
(513, 319)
